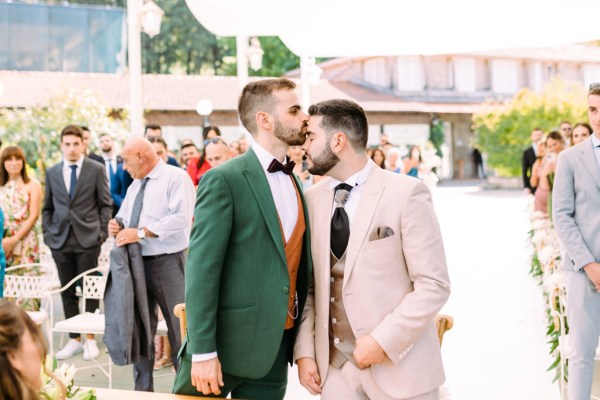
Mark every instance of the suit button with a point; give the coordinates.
(336, 340)
(333, 320)
(285, 290)
(331, 279)
(332, 299)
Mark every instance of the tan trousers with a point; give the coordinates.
(352, 383)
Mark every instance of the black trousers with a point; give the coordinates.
(72, 260)
(165, 285)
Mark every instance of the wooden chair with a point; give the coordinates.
(443, 323)
(179, 311)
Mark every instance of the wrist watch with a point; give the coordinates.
(141, 233)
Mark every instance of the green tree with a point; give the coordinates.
(37, 129)
(503, 128)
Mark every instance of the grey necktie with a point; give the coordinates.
(137, 205)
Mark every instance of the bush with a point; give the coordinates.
(503, 128)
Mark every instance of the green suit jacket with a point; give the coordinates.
(237, 280)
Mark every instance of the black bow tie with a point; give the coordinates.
(276, 166)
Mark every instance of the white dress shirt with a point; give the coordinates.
(113, 163)
(286, 203)
(66, 170)
(167, 210)
(282, 189)
(357, 181)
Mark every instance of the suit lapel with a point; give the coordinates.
(61, 181)
(590, 161)
(362, 220)
(259, 186)
(84, 176)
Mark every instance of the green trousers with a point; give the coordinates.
(270, 387)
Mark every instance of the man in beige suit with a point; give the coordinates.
(380, 273)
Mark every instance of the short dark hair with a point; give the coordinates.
(158, 139)
(185, 146)
(555, 135)
(153, 127)
(71, 130)
(340, 115)
(104, 134)
(258, 96)
(594, 89)
(84, 128)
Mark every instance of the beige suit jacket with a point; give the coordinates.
(393, 287)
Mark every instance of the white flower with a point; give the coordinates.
(554, 281)
(546, 255)
(65, 373)
(539, 237)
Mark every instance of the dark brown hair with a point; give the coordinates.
(71, 130)
(258, 96)
(7, 154)
(340, 115)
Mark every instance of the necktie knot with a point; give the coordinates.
(342, 191)
(73, 167)
(276, 166)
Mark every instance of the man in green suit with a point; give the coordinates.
(249, 260)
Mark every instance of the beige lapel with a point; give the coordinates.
(362, 220)
(321, 207)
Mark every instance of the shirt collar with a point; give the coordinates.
(358, 178)
(155, 173)
(595, 141)
(264, 157)
(67, 164)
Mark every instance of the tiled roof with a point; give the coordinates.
(182, 92)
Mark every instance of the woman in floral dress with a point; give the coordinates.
(20, 199)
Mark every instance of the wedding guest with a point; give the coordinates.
(197, 167)
(536, 170)
(566, 132)
(412, 165)
(393, 156)
(2, 258)
(528, 159)
(216, 151)
(580, 132)
(87, 139)
(210, 132)
(243, 144)
(296, 154)
(153, 130)
(187, 152)
(20, 199)
(378, 157)
(22, 351)
(235, 148)
(576, 219)
(554, 145)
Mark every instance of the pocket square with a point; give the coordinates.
(381, 233)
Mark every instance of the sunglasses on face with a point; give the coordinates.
(214, 140)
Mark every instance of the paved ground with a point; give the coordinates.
(497, 349)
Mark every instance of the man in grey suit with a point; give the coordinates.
(77, 208)
(576, 201)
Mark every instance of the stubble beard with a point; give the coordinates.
(289, 136)
(324, 162)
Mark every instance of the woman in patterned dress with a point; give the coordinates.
(20, 199)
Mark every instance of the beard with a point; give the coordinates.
(290, 136)
(106, 149)
(323, 162)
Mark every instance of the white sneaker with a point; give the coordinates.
(72, 347)
(90, 350)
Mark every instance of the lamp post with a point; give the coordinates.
(146, 17)
(204, 108)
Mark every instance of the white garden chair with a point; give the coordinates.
(87, 322)
(30, 286)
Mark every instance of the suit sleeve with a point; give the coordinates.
(525, 169)
(48, 207)
(305, 341)
(563, 210)
(426, 265)
(213, 219)
(104, 201)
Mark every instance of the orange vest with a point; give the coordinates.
(293, 253)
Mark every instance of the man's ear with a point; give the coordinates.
(338, 141)
(264, 120)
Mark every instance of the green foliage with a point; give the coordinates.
(37, 129)
(436, 135)
(503, 128)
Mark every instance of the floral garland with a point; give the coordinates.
(545, 268)
(59, 382)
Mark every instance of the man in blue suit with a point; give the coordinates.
(117, 177)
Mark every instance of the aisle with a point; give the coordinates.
(497, 349)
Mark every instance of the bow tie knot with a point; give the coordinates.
(276, 166)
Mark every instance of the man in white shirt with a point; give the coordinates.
(157, 213)
(249, 260)
(113, 164)
(77, 207)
